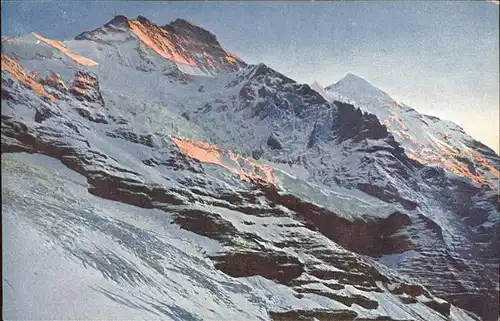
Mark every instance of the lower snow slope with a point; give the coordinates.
(69, 254)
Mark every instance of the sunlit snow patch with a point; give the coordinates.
(247, 169)
(57, 44)
(14, 69)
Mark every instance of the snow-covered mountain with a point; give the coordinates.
(425, 138)
(148, 173)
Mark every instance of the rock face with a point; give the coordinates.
(351, 124)
(324, 221)
(55, 81)
(86, 87)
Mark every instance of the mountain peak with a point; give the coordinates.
(180, 41)
(182, 26)
(351, 78)
(186, 44)
(118, 25)
(353, 85)
(118, 20)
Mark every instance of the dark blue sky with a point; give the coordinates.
(440, 57)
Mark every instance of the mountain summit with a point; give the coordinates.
(147, 171)
(180, 41)
(351, 85)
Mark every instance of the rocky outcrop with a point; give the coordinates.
(144, 139)
(311, 315)
(85, 87)
(275, 94)
(271, 265)
(274, 143)
(44, 112)
(386, 195)
(55, 81)
(207, 224)
(372, 237)
(352, 123)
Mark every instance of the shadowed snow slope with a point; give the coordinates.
(171, 180)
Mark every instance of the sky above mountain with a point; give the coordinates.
(441, 58)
